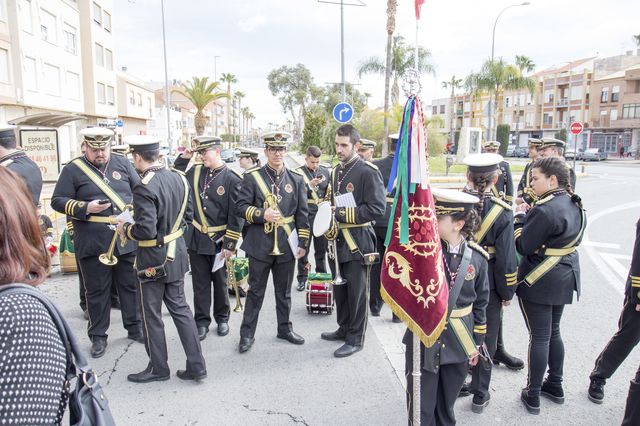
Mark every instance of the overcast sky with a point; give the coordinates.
(253, 37)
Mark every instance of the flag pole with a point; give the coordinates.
(416, 373)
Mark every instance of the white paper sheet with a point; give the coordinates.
(218, 262)
(126, 217)
(293, 242)
(345, 200)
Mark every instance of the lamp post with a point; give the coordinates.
(493, 43)
(215, 103)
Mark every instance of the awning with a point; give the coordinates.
(46, 119)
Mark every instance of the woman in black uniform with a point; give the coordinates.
(495, 236)
(445, 364)
(547, 237)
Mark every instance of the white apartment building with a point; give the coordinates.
(136, 104)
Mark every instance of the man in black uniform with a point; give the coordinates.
(627, 336)
(316, 178)
(18, 162)
(162, 208)
(503, 189)
(550, 147)
(273, 201)
(215, 228)
(359, 197)
(367, 148)
(525, 193)
(248, 159)
(380, 227)
(90, 190)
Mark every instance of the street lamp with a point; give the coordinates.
(215, 103)
(493, 42)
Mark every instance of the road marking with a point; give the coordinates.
(614, 263)
(601, 245)
(601, 266)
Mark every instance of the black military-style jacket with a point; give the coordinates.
(503, 189)
(315, 196)
(554, 222)
(293, 207)
(75, 189)
(495, 236)
(475, 291)
(524, 186)
(217, 203)
(157, 201)
(19, 163)
(364, 181)
(385, 165)
(632, 288)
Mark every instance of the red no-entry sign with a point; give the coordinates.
(576, 128)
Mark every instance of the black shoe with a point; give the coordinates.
(147, 376)
(552, 391)
(465, 390)
(115, 304)
(191, 375)
(596, 390)
(509, 361)
(346, 350)
(223, 329)
(479, 402)
(245, 344)
(374, 312)
(332, 336)
(202, 332)
(292, 337)
(301, 285)
(85, 315)
(241, 292)
(531, 403)
(395, 319)
(98, 347)
(136, 335)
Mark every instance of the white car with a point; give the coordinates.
(594, 154)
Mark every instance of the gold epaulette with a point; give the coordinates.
(479, 249)
(237, 173)
(253, 169)
(296, 171)
(545, 199)
(148, 178)
(501, 203)
(370, 164)
(180, 172)
(118, 154)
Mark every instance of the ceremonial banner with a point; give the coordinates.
(418, 6)
(412, 279)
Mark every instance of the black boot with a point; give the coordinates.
(596, 390)
(511, 362)
(553, 391)
(531, 403)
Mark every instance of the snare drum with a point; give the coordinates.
(319, 294)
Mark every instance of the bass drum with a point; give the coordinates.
(322, 221)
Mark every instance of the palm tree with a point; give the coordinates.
(524, 64)
(250, 117)
(239, 95)
(244, 112)
(200, 92)
(454, 83)
(496, 77)
(229, 79)
(402, 59)
(392, 5)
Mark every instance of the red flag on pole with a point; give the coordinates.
(418, 6)
(412, 277)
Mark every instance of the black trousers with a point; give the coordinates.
(82, 290)
(319, 253)
(98, 280)
(621, 344)
(375, 300)
(481, 376)
(204, 283)
(438, 391)
(545, 343)
(258, 277)
(632, 410)
(155, 342)
(351, 301)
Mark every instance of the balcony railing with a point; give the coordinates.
(562, 102)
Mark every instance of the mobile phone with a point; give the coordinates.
(103, 201)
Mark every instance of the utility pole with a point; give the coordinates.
(215, 103)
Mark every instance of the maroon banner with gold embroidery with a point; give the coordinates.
(412, 278)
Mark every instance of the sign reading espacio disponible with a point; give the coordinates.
(42, 147)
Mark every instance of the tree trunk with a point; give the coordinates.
(395, 92)
(391, 26)
(199, 121)
(229, 106)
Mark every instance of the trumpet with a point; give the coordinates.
(272, 202)
(109, 258)
(232, 283)
(332, 250)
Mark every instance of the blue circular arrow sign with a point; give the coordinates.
(343, 112)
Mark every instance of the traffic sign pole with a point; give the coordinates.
(342, 112)
(576, 128)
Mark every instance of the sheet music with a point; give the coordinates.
(126, 217)
(345, 200)
(218, 262)
(293, 242)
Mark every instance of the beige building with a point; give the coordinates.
(136, 104)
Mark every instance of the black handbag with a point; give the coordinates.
(88, 405)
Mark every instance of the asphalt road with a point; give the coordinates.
(277, 383)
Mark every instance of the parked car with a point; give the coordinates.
(521, 152)
(228, 156)
(569, 154)
(594, 154)
(237, 152)
(511, 149)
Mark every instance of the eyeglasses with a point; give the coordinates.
(275, 150)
